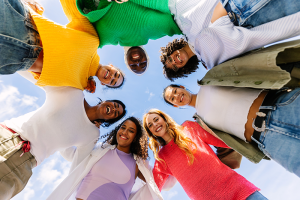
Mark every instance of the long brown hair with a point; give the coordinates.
(180, 139)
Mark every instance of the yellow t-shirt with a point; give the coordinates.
(70, 51)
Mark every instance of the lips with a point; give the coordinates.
(107, 74)
(136, 56)
(123, 137)
(181, 99)
(158, 129)
(179, 59)
(108, 109)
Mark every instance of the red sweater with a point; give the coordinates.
(207, 177)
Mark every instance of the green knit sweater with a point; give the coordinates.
(132, 23)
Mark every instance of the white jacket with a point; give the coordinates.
(69, 185)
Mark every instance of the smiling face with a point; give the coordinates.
(137, 59)
(177, 59)
(177, 96)
(157, 125)
(110, 76)
(126, 134)
(109, 110)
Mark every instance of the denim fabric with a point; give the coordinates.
(19, 39)
(281, 139)
(256, 196)
(256, 12)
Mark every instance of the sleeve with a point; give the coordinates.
(76, 19)
(161, 173)
(223, 40)
(81, 153)
(159, 5)
(195, 130)
(170, 183)
(68, 153)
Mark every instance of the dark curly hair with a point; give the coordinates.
(106, 123)
(139, 146)
(190, 67)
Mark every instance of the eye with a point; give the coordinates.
(131, 131)
(122, 127)
(175, 91)
(149, 125)
(172, 99)
(156, 119)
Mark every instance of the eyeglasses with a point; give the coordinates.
(174, 67)
(138, 64)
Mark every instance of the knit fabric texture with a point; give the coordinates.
(207, 177)
(70, 52)
(132, 23)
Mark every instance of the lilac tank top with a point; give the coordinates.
(112, 177)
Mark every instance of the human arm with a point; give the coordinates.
(222, 40)
(76, 20)
(80, 153)
(161, 174)
(34, 5)
(194, 130)
(159, 5)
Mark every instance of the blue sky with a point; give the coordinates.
(139, 93)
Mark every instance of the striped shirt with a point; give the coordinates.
(217, 42)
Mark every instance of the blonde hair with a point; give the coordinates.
(180, 139)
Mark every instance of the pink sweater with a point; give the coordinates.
(207, 177)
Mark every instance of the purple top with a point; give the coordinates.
(112, 177)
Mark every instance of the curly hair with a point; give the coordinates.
(180, 139)
(139, 146)
(190, 67)
(106, 123)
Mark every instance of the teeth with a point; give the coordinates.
(106, 75)
(158, 129)
(107, 110)
(124, 137)
(178, 58)
(181, 98)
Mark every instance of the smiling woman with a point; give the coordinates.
(110, 171)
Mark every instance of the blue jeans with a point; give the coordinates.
(19, 39)
(280, 140)
(256, 12)
(256, 196)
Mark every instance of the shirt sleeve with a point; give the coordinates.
(76, 19)
(158, 5)
(68, 153)
(222, 40)
(195, 130)
(81, 153)
(160, 173)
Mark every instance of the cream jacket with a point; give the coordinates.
(68, 187)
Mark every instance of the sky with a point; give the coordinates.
(139, 93)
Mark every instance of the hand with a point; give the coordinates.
(38, 8)
(97, 124)
(91, 85)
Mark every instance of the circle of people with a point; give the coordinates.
(247, 104)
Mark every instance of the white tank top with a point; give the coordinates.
(225, 108)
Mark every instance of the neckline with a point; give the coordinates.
(122, 152)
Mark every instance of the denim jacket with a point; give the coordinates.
(257, 69)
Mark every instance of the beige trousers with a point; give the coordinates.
(15, 171)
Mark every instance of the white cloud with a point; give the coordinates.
(172, 194)
(151, 94)
(52, 172)
(12, 102)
